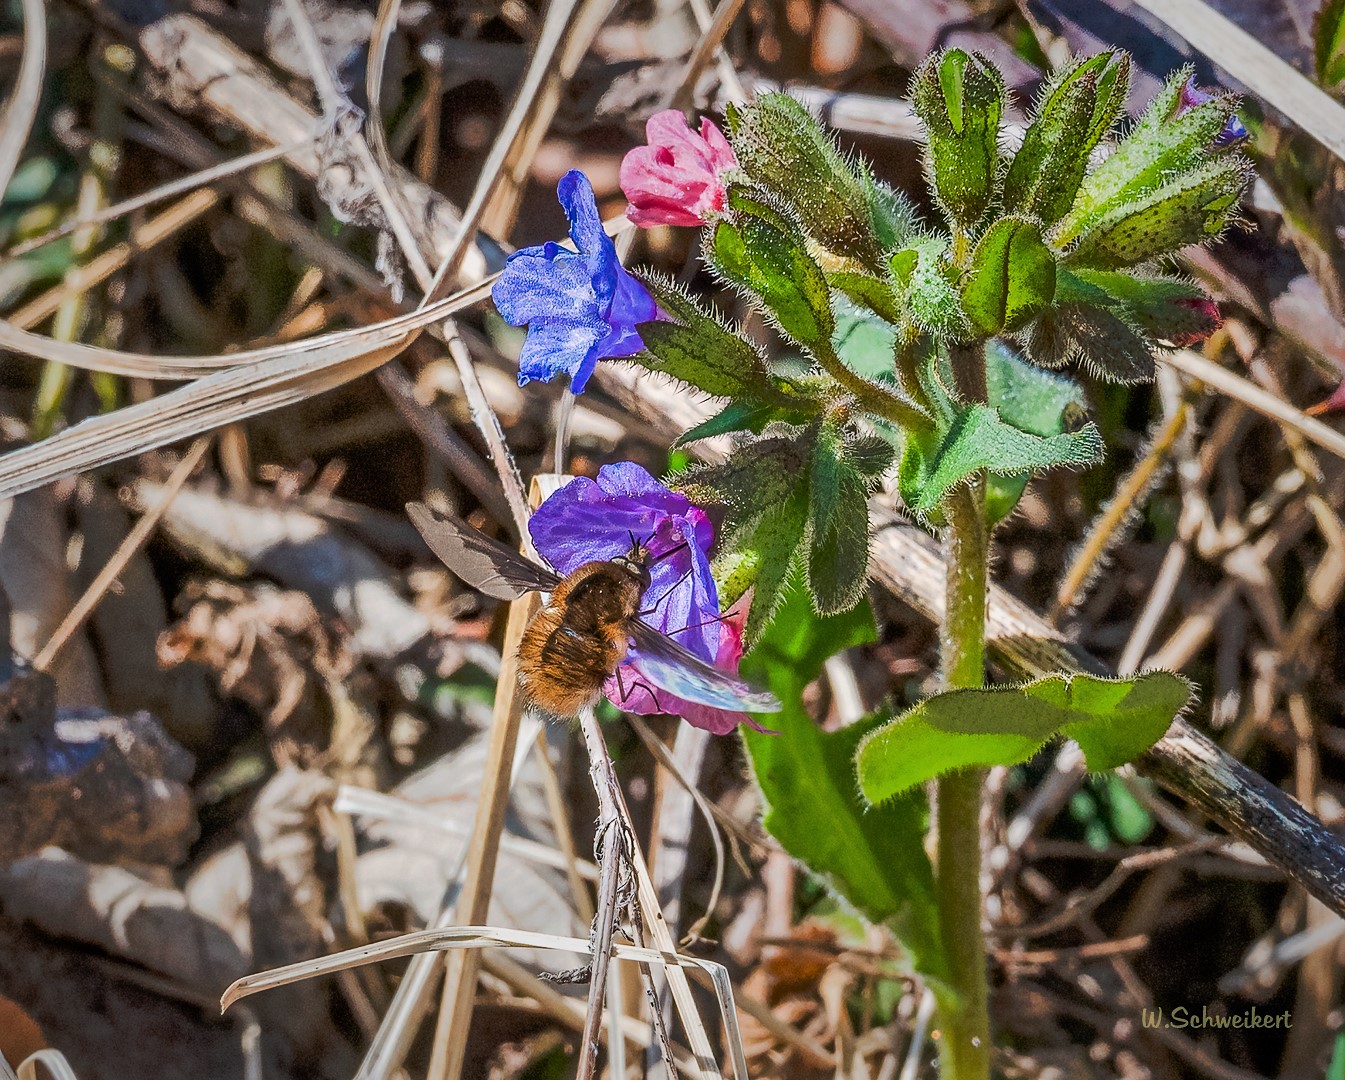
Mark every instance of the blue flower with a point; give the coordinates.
(579, 306)
(588, 520)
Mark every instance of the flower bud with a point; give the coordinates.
(784, 150)
(1077, 109)
(960, 98)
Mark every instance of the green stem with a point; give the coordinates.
(872, 397)
(964, 1049)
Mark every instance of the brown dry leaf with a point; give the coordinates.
(268, 648)
(300, 551)
(790, 981)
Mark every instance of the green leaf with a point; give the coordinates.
(868, 292)
(756, 477)
(774, 539)
(864, 344)
(1112, 720)
(712, 360)
(980, 439)
(1032, 400)
(1335, 1068)
(838, 526)
(741, 416)
(1193, 208)
(960, 98)
(1027, 397)
(698, 349)
(775, 266)
(1129, 820)
(1012, 276)
(783, 148)
(1162, 307)
(873, 857)
(1077, 108)
(1328, 40)
(894, 217)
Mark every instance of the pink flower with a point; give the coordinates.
(678, 178)
(639, 699)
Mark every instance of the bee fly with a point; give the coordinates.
(588, 627)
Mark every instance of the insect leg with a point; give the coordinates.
(639, 684)
(667, 593)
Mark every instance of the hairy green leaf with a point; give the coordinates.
(838, 526)
(981, 440)
(1032, 400)
(872, 856)
(776, 267)
(1193, 208)
(1162, 145)
(1112, 720)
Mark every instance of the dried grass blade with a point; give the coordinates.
(150, 366)
(179, 186)
(1263, 401)
(21, 109)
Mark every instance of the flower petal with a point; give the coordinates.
(545, 282)
(559, 345)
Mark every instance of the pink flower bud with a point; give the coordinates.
(677, 178)
(1208, 310)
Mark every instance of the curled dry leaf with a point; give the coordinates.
(268, 648)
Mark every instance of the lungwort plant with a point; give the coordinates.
(921, 354)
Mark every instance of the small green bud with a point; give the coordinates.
(924, 281)
(1012, 277)
(1077, 109)
(1193, 208)
(960, 98)
(782, 148)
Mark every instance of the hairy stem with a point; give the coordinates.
(964, 1050)
(871, 396)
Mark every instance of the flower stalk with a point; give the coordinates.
(964, 1049)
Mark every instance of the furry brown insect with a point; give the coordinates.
(587, 628)
(575, 643)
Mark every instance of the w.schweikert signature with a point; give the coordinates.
(1180, 1017)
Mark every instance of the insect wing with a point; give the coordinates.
(481, 562)
(682, 673)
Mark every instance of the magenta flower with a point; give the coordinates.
(595, 519)
(1192, 95)
(678, 178)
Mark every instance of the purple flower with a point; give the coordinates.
(1192, 95)
(579, 306)
(587, 520)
